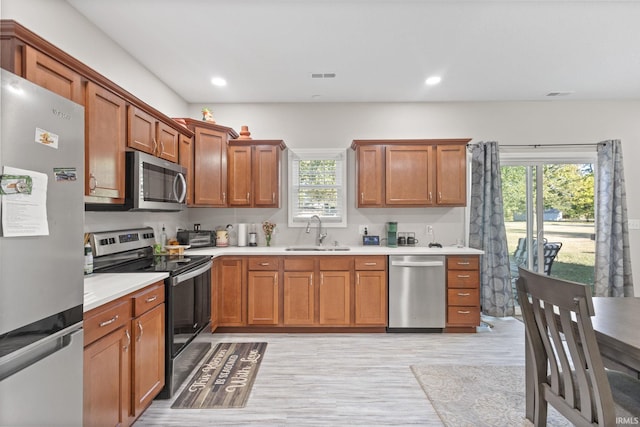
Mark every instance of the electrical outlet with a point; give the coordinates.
(634, 224)
(429, 229)
(361, 229)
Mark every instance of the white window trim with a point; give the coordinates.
(319, 154)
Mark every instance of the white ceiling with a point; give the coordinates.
(380, 50)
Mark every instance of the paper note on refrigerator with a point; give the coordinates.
(26, 214)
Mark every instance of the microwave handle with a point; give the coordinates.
(183, 193)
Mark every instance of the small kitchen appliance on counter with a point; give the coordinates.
(187, 294)
(392, 234)
(196, 238)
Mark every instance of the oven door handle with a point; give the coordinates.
(190, 274)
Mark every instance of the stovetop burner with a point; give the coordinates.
(130, 251)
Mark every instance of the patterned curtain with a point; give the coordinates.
(487, 231)
(613, 258)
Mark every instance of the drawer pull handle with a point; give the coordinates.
(463, 263)
(463, 276)
(370, 263)
(463, 312)
(463, 294)
(152, 299)
(264, 264)
(110, 321)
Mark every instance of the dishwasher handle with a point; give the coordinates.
(417, 263)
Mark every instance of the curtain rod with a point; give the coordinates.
(593, 144)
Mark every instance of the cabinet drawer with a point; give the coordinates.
(462, 262)
(463, 296)
(371, 263)
(264, 263)
(463, 279)
(298, 264)
(336, 263)
(107, 318)
(148, 298)
(463, 316)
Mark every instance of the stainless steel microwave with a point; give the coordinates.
(151, 184)
(154, 184)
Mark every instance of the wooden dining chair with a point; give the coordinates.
(568, 370)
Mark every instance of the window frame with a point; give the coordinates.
(317, 154)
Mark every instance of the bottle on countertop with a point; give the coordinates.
(88, 258)
(163, 239)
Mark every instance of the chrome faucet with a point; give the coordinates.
(320, 236)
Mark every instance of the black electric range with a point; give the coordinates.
(187, 294)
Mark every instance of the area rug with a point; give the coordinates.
(224, 379)
(476, 396)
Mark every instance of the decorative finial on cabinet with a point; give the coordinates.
(244, 133)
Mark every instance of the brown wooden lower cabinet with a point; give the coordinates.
(302, 291)
(124, 357)
(463, 293)
(107, 387)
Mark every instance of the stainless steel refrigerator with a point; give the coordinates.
(41, 271)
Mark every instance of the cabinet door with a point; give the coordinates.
(371, 298)
(167, 138)
(186, 161)
(141, 130)
(105, 140)
(266, 176)
(52, 75)
(210, 165)
(148, 357)
(299, 298)
(334, 303)
(408, 180)
(370, 170)
(239, 175)
(231, 288)
(451, 175)
(262, 298)
(107, 387)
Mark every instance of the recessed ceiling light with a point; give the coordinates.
(433, 80)
(218, 81)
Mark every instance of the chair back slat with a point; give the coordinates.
(557, 315)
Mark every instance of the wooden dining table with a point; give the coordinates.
(617, 327)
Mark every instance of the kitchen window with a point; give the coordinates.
(317, 181)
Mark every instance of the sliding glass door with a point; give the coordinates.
(549, 216)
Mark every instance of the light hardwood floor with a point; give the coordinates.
(347, 379)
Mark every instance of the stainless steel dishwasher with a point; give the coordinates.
(417, 293)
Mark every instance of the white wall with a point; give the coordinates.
(336, 125)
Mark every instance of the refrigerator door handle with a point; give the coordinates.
(23, 358)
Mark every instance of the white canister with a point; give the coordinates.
(242, 234)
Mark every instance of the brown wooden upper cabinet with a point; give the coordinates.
(105, 140)
(147, 133)
(254, 173)
(207, 180)
(411, 173)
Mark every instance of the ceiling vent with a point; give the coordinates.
(323, 75)
(566, 93)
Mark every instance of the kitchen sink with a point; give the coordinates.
(318, 248)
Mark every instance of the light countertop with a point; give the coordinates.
(353, 250)
(102, 288)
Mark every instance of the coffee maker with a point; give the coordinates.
(392, 234)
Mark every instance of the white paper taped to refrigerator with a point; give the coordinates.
(26, 214)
